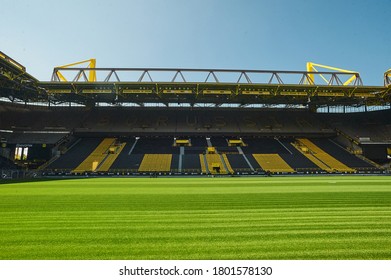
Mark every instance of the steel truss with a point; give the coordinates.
(172, 75)
(217, 86)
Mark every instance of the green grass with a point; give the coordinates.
(341, 217)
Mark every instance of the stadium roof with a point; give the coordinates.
(89, 85)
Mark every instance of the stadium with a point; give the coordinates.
(100, 121)
(183, 134)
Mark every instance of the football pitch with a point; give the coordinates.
(325, 217)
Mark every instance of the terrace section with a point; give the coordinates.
(338, 152)
(320, 157)
(171, 121)
(238, 162)
(96, 158)
(75, 155)
(157, 154)
(156, 163)
(273, 163)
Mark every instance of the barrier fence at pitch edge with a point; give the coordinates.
(35, 174)
(20, 174)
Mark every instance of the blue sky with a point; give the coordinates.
(232, 34)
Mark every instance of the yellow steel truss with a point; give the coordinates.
(312, 67)
(91, 64)
(387, 78)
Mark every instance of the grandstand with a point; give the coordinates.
(187, 127)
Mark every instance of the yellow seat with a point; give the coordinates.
(272, 163)
(156, 163)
